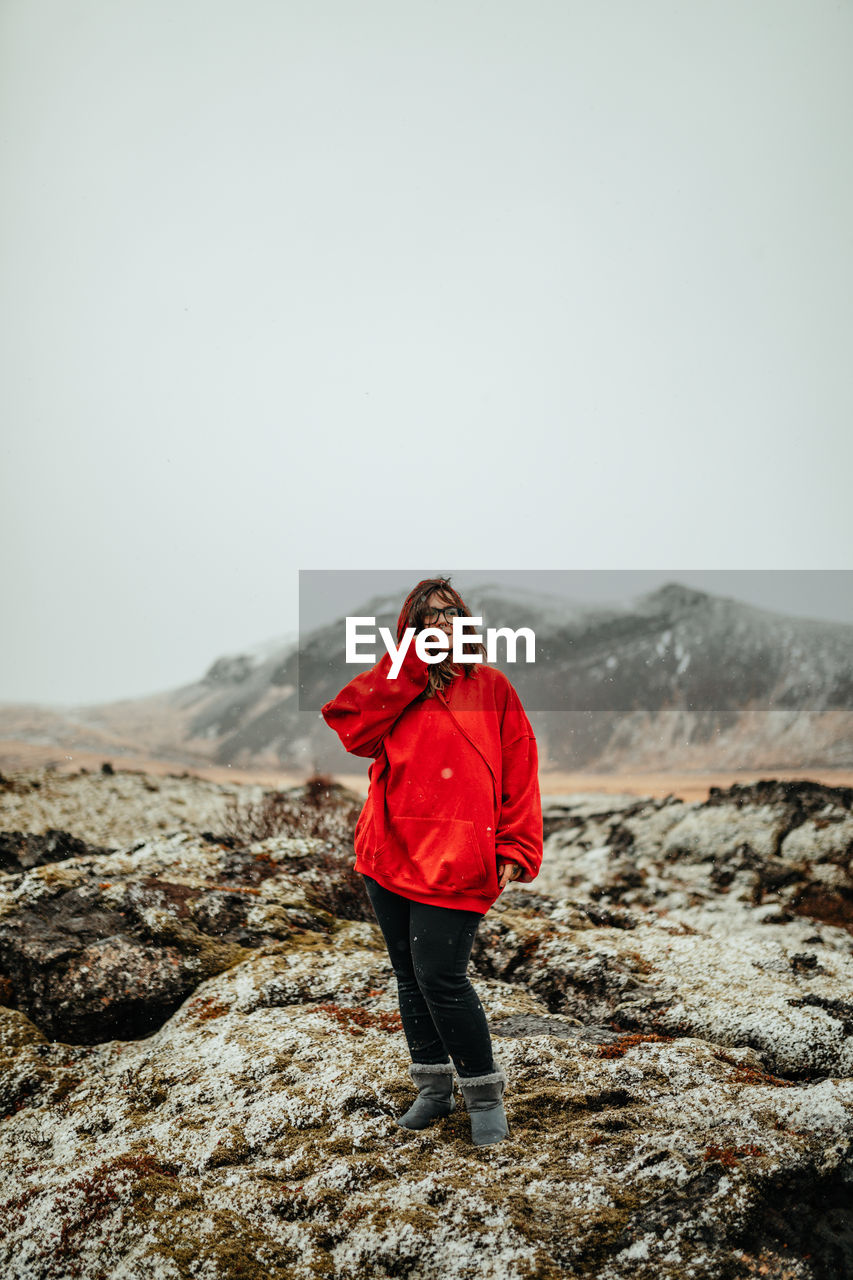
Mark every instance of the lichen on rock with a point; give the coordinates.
(201, 1064)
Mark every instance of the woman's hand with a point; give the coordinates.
(507, 871)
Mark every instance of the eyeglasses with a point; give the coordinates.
(449, 614)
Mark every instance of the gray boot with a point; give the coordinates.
(484, 1102)
(435, 1081)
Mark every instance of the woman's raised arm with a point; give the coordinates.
(365, 709)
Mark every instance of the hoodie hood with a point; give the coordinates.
(403, 619)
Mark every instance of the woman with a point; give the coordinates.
(453, 814)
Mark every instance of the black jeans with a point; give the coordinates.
(429, 948)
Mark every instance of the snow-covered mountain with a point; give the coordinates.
(676, 678)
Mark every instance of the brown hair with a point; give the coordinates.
(415, 610)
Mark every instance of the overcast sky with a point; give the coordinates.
(285, 285)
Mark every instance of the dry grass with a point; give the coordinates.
(685, 785)
(317, 809)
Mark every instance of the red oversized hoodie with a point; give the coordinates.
(454, 782)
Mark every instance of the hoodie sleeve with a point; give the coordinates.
(519, 836)
(365, 709)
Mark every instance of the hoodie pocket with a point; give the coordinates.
(440, 854)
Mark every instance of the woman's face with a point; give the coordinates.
(435, 602)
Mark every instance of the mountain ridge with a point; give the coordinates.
(677, 678)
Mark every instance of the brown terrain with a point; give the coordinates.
(687, 786)
(203, 1066)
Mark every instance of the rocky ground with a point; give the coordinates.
(201, 1056)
